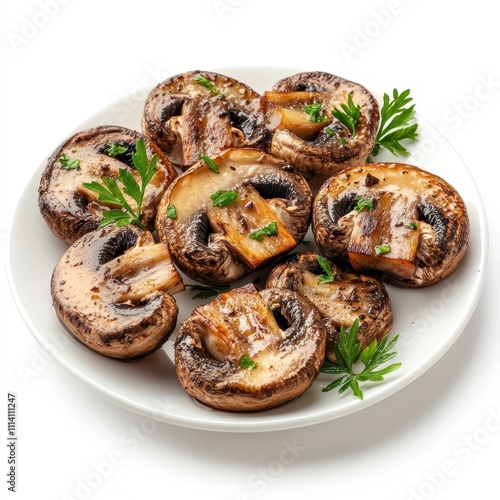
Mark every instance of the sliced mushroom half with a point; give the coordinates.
(395, 221)
(340, 298)
(317, 142)
(224, 221)
(112, 290)
(203, 113)
(69, 209)
(250, 351)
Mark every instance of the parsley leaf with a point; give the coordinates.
(67, 163)
(115, 149)
(314, 112)
(204, 292)
(362, 203)
(171, 212)
(210, 164)
(208, 84)
(348, 351)
(223, 198)
(248, 363)
(110, 192)
(348, 115)
(381, 249)
(270, 230)
(412, 225)
(396, 124)
(325, 265)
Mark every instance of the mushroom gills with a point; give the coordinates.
(249, 213)
(238, 323)
(386, 237)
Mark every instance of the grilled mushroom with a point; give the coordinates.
(203, 113)
(318, 144)
(234, 354)
(112, 290)
(69, 209)
(340, 300)
(395, 221)
(221, 225)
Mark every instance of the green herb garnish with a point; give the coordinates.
(205, 291)
(110, 192)
(412, 225)
(208, 84)
(313, 110)
(348, 351)
(396, 124)
(210, 164)
(323, 279)
(270, 230)
(341, 140)
(223, 198)
(348, 115)
(115, 149)
(381, 249)
(67, 163)
(171, 212)
(362, 203)
(248, 363)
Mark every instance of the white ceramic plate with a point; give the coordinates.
(428, 320)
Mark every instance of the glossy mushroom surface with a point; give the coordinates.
(249, 350)
(397, 222)
(340, 300)
(112, 290)
(203, 113)
(221, 243)
(319, 144)
(69, 209)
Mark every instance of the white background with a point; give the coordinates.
(63, 60)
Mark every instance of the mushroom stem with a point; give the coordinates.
(386, 226)
(141, 271)
(290, 107)
(238, 323)
(240, 220)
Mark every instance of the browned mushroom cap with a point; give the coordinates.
(69, 209)
(233, 354)
(267, 215)
(398, 222)
(112, 291)
(320, 148)
(341, 301)
(203, 113)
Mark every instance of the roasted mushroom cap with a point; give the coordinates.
(203, 113)
(323, 146)
(395, 221)
(341, 301)
(223, 243)
(112, 291)
(69, 209)
(233, 354)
